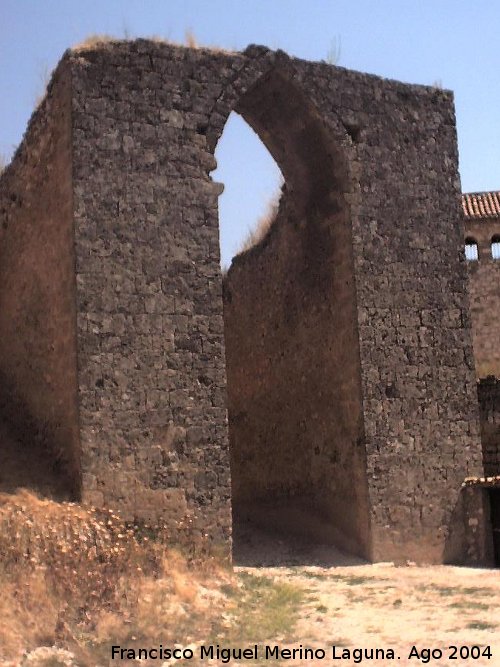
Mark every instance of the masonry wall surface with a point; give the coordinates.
(38, 399)
(477, 533)
(150, 329)
(420, 414)
(484, 290)
(146, 319)
(420, 404)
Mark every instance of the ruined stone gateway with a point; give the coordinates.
(353, 409)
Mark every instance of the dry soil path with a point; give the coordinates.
(352, 604)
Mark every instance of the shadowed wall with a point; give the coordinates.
(38, 370)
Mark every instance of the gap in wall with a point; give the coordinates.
(297, 475)
(252, 180)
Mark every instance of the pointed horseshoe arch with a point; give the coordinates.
(293, 415)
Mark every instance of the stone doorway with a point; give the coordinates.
(290, 327)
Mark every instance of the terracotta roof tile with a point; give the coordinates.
(478, 205)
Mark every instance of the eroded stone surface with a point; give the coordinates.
(349, 348)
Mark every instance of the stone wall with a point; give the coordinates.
(421, 417)
(363, 311)
(484, 290)
(38, 399)
(398, 184)
(151, 355)
(489, 409)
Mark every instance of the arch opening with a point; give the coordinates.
(292, 358)
(252, 187)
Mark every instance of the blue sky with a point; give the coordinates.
(454, 42)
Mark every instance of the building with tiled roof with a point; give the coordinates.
(481, 205)
(481, 215)
(482, 251)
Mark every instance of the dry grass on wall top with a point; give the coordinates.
(96, 39)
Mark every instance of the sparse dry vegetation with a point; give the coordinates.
(61, 566)
(76, 581)
(263, 224)
(44, 77)
(190, 39)
(81, 580)
(95, 39)
(334, 52)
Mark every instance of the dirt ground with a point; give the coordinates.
(350, 603)
(286, 593)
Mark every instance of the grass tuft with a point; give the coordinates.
(481, 625)
(190, 39)
(93, 40)
(264, 609)
(262, 226)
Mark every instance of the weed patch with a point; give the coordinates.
(84, 581)
(469, 604)
(357, 581)
(264, 609)
(481, 625)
